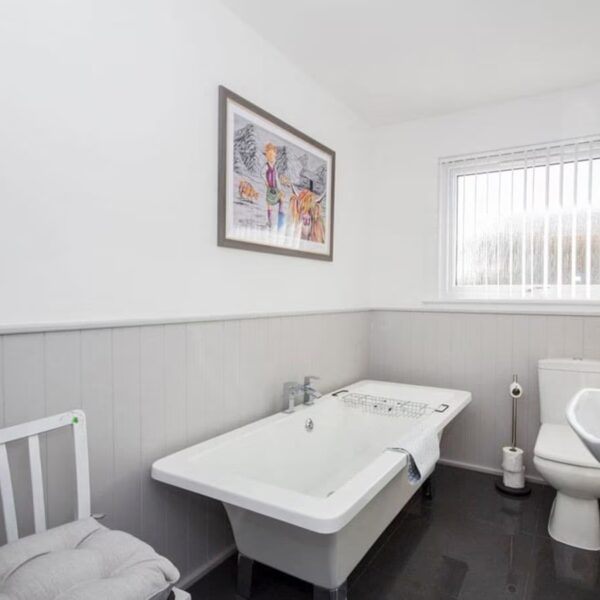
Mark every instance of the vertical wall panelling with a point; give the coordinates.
(152, 433)
(148, 391)
(126, 428)
(479, 353)
(196, 420)
(527, 375)
(177, 502)
(273, 363)
(499, 403)
(2, 532)
(97, 402)
(24, 398)
(218, 350)
(233, 391)
(62, 382)
(591, 337)
(253, 360)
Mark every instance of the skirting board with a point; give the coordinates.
(203, 570)
(482, 469)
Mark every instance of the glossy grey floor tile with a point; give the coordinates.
(456, 555)
(559, 572)
(468, 543)
(462, 492)
(268, 584)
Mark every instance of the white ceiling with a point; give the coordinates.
(394, 60)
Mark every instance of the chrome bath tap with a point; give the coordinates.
(310, 393)
(291, 389)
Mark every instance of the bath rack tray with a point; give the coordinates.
(390, 407)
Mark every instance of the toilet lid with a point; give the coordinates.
(561, 444)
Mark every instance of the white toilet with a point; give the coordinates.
(561, 458)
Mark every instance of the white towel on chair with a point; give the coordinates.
(423, 450)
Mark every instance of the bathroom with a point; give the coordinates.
(150, 292)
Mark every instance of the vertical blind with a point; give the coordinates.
(526, 222)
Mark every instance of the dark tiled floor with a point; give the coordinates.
(468, 543)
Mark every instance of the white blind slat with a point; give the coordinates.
(547, 222)
(588, 225)
(574, 228)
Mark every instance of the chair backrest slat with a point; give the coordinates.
(8, 497)
(82, 468)
(37, 483)
(74, 419)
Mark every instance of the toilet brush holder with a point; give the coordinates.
(513, 472)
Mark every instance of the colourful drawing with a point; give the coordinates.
(279, 186)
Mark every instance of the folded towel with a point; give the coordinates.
(423, 450)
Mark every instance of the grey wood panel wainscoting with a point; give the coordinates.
(479, 352)
(151, 390)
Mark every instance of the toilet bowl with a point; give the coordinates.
(574, 518)
(561, 458)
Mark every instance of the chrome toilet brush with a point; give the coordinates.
(513, 476)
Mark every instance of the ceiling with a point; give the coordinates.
(395, 60)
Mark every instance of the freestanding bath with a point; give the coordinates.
(308, 493)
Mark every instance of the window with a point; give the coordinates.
(522, 224)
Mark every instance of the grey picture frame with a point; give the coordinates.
(225, 95)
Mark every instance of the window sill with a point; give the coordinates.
(515, 301)
(512, 306)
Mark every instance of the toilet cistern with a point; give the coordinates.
(583, 414)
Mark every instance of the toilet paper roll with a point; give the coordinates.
(514, 480)
(512, 459)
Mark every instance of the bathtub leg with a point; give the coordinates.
(244, 576)
(428, 488)
(340, 593)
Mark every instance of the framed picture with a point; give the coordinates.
(276, 184)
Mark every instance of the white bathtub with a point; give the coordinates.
(311, 503)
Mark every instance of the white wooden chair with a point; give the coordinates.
(31, 431)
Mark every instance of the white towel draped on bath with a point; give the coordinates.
(423, 450)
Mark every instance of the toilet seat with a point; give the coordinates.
(559, 443)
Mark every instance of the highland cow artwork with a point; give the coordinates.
(276, 184)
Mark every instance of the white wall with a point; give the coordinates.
(108, 165)
(404, 222)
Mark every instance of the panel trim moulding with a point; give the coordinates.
(8, 329)
(564, 310)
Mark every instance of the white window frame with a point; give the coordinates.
(450, 168)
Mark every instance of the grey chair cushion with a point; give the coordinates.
(83, 561)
